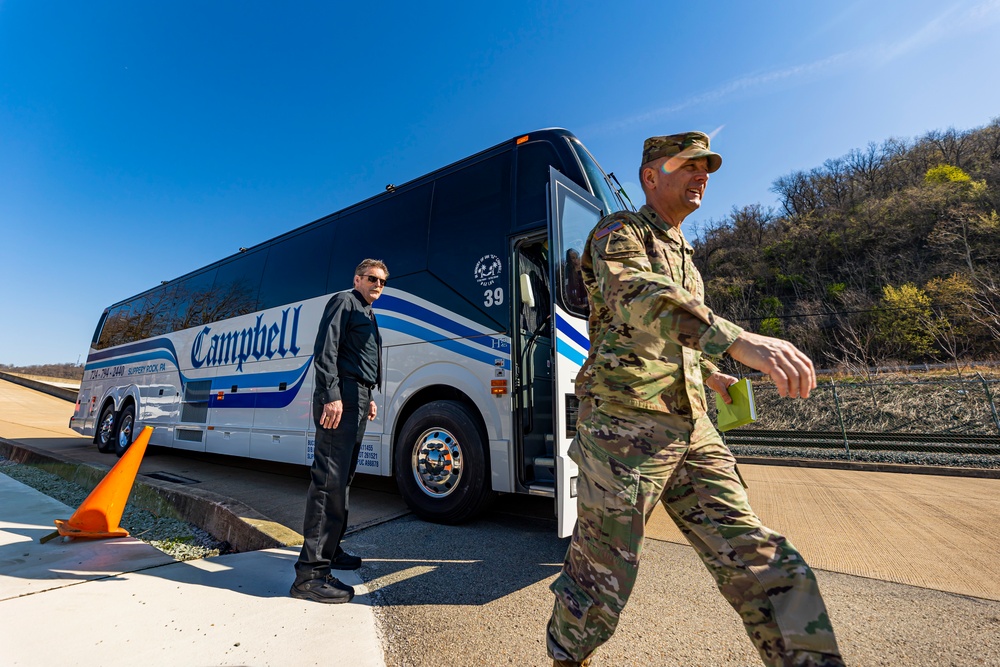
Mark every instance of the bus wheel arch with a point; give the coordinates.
(104, 430)
(441, 458)
(124, 430)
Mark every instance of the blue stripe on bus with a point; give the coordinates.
(570, 353)
(428, 336)
(570, 332)
(141, 346)
(254, 380)
(165, 354)
(294, 377)
(265, 399)
(397, 305)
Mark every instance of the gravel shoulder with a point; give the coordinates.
(179, 539)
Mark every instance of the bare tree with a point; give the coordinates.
(984, 305)
(952, 145)
(857, 344)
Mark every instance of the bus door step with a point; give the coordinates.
(547, 491)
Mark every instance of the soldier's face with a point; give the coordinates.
(676, 187)
(370, 284)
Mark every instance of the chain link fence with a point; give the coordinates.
(947, 422)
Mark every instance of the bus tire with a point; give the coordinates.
(441, 466)
(124, 429)
(104, 434)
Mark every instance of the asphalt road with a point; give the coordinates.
(477, 595)
(928, 591)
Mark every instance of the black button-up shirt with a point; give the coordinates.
(347, 346)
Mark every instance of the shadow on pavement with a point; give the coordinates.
(416, 563)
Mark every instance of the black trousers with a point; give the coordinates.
(334, 461)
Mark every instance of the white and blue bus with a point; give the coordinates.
(483, 324)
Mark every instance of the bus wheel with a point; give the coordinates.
(440, 463)
(123, 434)
(105, 437)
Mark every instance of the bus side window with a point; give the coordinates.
(114, 326)
(296, 268)
(236, 286)
(191, 301)
(393, 229)
(95, 341)
(159, 303)
(138, 321)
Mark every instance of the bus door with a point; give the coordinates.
(533, 366)
(573, 213)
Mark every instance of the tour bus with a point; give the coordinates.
(483, 323)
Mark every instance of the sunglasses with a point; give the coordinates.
(375, 279)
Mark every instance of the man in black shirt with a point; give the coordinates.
(348, 367)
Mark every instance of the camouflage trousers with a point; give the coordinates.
(631, 459)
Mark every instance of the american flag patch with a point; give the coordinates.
(607, 230)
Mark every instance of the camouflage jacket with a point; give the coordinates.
(649, 325)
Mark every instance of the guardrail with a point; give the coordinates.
(59, 392)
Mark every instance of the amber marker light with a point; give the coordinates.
(521, 140)
(498, 387)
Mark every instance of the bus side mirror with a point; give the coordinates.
(527, 296)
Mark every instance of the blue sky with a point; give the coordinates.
(141, 140)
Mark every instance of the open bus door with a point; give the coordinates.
(573, 213)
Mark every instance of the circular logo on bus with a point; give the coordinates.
(488, 270)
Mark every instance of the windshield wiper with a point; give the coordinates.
(620, 191)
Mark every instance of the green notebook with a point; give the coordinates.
(741, 411)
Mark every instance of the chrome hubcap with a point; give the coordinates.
(125, 434)
(437, 462)
(106, 424)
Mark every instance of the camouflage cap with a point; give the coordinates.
(687, 145)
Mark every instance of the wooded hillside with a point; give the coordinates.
(63, 371)
(889, 254)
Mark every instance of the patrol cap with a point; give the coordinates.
(687, 145)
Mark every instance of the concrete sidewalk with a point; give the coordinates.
(123, 602)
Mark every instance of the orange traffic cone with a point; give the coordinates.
(99, 514)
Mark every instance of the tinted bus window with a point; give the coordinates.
(236, 286)
(139, 320)
(160, 305)
(114, 327)
(533, 160)
(296, 268)
(192, 300)
(94, 342)
(470, 220)
(393, 229)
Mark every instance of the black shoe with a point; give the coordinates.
(345, 561)
(329, 590)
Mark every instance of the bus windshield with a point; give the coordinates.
(601, 183)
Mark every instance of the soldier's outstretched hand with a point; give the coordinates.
(792, 371)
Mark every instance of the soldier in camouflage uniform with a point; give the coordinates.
(643, 435)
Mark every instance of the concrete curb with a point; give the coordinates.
(59, 392)
(982, 473)
(242, 527)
